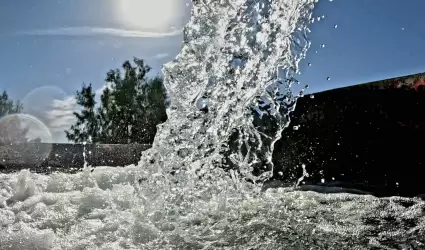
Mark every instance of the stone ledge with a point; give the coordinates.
(67, 157)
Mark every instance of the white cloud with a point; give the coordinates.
(96, 31)
(61, 117)
(161, 55)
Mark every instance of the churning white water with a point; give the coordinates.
(179, 196)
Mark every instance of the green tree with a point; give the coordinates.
(86, 127)
(130, 108)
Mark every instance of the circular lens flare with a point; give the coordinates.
(24, 139)
(40, 103)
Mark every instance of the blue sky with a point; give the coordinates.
(49, 48)
(374, 39)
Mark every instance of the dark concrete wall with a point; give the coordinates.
(369, 137)
(67, 157)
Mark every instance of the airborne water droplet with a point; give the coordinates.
(322, 45)
(296, 127)
(309, 64)
(335, 26)
(328, 78)
(311, 96)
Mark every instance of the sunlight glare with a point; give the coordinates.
(153, 15)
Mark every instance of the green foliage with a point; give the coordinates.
(130, 108)
(86, 126)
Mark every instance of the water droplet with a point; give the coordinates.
(311, 96)
(183, 152)
(322, 46)
(296, 127)
(335, 26)
(328, 78)
(322, 180)
(402, 28)
(309, 64)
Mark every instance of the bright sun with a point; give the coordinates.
(155, 15)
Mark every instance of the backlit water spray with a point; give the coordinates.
(235, 53)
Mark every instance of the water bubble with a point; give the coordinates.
(183, 152)
(202, 105)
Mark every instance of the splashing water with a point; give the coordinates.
(180, 196)
(231, 55)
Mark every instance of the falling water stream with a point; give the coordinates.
(181, 195)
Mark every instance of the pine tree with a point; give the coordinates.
(86, 127)
(8, 106)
